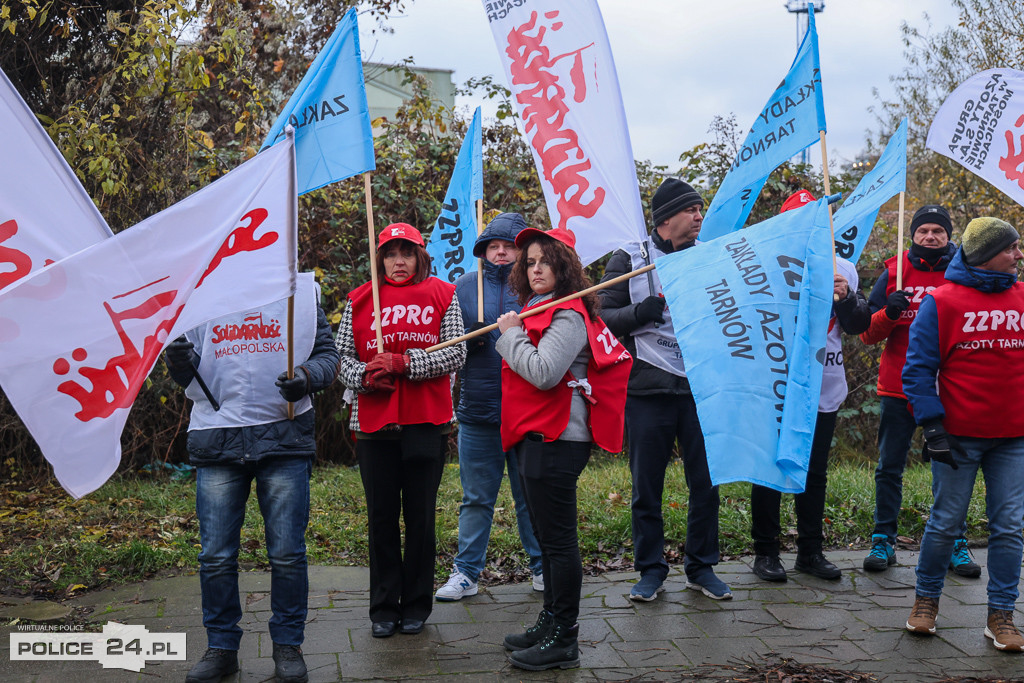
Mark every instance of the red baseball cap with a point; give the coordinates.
(796, 200)
(566, 237)
(400, 231)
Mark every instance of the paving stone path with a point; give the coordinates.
(854, 624)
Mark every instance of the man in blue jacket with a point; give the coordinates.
(482, 461)
(249, 437)
(964, 378)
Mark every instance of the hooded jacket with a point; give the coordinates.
(967, 335)
(480, 393)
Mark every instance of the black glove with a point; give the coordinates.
(178, 356)
(896, 304)
(295, 388)
(941, 446)
(476, 343)
(651, 310)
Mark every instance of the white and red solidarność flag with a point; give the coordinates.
(562, 75)
(78, 339)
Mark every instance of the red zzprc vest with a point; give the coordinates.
(411, 317)
(981, 351)
(894, 355)
(525, 408)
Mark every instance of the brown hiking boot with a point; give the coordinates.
(922, 616)
(1003, 633)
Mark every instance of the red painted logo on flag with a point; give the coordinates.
(543, 99)
(117, 382)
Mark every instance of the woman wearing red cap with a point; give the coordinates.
(401, 417)
(563, 388)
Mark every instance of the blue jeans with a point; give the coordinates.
(655, 423)
(282, 489)
(896, 427)
(1002, 463)
(482, 465)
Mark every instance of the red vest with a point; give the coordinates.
(894, 355)
(411, 318)
(981, 352)
(525, 408)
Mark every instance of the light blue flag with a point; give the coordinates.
(856, 217)
(789, 123)
(750, 312)
(333, 136)
(451, 242)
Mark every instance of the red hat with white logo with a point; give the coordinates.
(400, 231)
(796, 200)
(566, 237)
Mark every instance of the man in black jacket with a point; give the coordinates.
(660, 409)
(249, 436)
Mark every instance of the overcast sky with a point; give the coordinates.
(681, 62)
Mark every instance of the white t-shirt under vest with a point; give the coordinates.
(833, 376)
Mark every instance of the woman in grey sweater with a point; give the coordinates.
(554, 375)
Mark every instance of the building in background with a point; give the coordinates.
(385, 92)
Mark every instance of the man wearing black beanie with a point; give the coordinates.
(924, 269)
(659, 406)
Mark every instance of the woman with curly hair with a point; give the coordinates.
(401, 417)
(563, 386)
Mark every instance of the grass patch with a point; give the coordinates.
(136, 525)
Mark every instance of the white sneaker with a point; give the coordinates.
(538, 583)
(459, 586)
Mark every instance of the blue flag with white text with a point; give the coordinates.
(750, 312)
(333, 135)
(789, 123)
(451, 242)
(856, 217)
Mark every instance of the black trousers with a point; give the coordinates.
(400, 478)
(809, 505)
(549, 472)
(654, 425)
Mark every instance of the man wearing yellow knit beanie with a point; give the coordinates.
(965, 361)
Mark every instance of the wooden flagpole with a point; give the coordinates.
(828, 192)
(541, 309)
(374, 282)
(899, 247)
(480, 264)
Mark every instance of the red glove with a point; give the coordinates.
(391, 363)
(378, 380)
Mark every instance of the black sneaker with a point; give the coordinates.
(215, 665)
(817, 565)
(289, 666)
(559, 650)
(769, 568)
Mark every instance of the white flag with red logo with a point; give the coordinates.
(981, 127)
(45, 213)
(560, 69)
(78, 340)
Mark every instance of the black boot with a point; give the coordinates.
(215, 665)
(289, 666)
(533, 635)
(557, 650)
